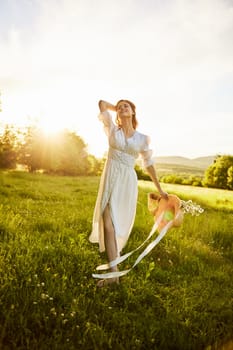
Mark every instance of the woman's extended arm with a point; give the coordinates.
(104, 105)
(151, 171)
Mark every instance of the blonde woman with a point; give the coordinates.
(116, 202)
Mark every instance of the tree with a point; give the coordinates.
(73, 157)
(64, 153)
(230, 177)
(8, 148)
(95, 165)
(219, 174)
(31, 150)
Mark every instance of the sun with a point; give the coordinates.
(50, 126)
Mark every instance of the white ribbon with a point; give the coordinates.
(140, 257)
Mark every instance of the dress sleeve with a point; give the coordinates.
(106, 118)
(147, 153)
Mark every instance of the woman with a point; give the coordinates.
(116, 202)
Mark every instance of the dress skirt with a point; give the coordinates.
(118, 189)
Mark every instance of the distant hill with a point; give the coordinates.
(182, 165)
(201, 163)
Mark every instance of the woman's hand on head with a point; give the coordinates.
(104, 105)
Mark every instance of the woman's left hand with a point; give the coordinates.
(164, 194)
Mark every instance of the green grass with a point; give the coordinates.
(178, 297)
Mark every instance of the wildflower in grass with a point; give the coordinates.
(72, 314)
(44, 296)
(35, 302)
(53, 311)
(191, 207)
(64, 321)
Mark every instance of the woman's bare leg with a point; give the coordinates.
(110, 242)
(109, 237)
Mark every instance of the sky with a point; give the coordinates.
(172, 58)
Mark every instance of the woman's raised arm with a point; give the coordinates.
(104, 105)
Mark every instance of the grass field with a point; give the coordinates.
(180, 297)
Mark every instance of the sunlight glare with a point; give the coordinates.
(50, 126)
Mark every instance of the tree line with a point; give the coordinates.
(218, 175)
(66, 154)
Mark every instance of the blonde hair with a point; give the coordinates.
(133, 107)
